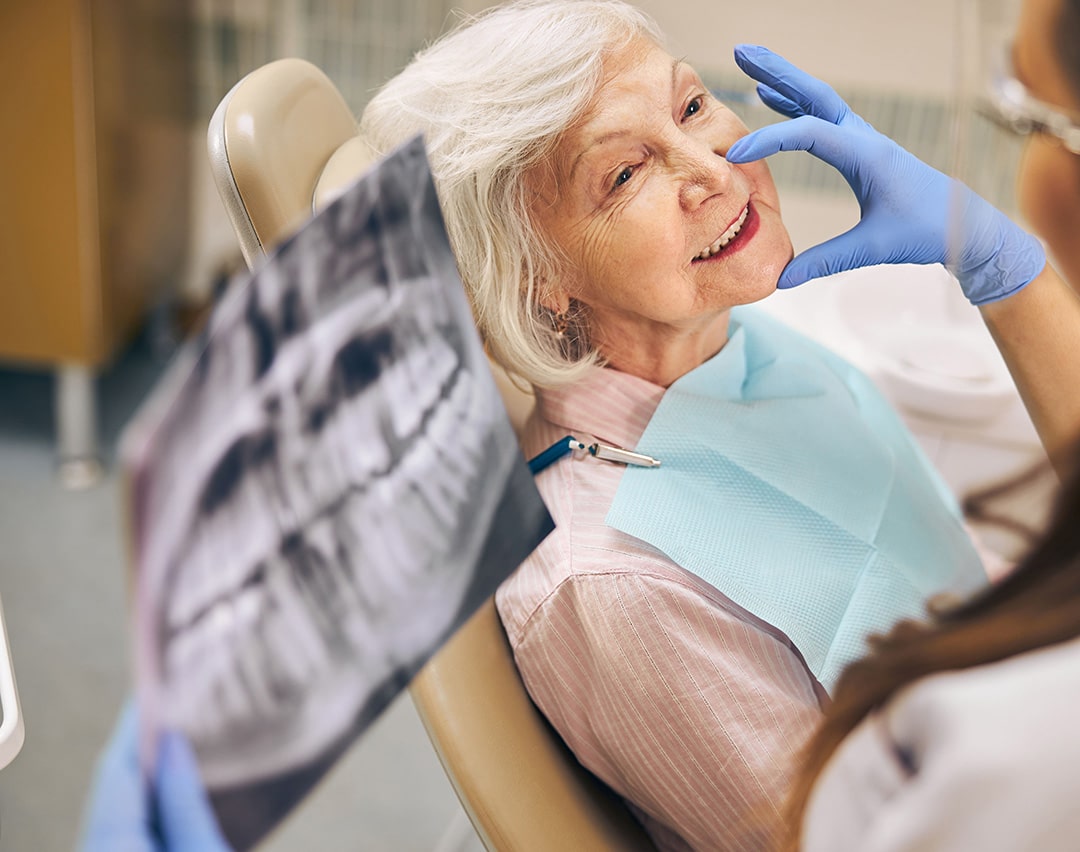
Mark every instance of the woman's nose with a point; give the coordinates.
(703, 173)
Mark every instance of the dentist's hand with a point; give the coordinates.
(125, 816)
(905, 203)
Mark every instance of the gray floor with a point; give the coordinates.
(62, 582)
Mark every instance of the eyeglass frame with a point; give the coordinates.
(1010, 104)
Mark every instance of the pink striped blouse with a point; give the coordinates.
(684, 703)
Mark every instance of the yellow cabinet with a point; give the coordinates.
(94, 179)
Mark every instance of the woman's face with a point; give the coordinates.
(1049, 184)
(639, 198)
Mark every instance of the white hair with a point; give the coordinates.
(492, 98)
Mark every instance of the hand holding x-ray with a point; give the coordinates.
(906, 205)
(324, 489)
(168, 811)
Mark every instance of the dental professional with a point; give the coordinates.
(960, 734)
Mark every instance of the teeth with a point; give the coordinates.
(288, 596)
(254, 671)
(424, 490)
(368, 456)
(352, 527)
(402, 552)
(414, 382)
(254, 633)
(725, 237)
(292, 665)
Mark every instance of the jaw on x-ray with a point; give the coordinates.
(322, 493)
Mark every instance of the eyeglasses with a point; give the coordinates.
(1011, 105)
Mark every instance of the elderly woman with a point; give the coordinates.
(603, 240)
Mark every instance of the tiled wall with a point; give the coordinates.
(358, 44)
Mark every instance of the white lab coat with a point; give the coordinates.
(983, 759)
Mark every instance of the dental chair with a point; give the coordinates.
(282, 144)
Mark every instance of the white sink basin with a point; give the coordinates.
(912, 331)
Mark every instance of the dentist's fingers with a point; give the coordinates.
(850, 250)
(117, 815)
(777, 102)
(825, 141)
(904, 203)
(187, 820)
(812, 95)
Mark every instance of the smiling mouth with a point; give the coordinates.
(725, 238)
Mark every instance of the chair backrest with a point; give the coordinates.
(282, 144)
(270, 140)
(521, 786)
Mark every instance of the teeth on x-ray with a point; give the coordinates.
(320, 539)
(353, 533)
(295, 617)
(291, 666)
(399, 551)
(414, 384)
(344, 462)
(358, 435)
(431, 491)
(357, 523)
(449, 443)
(451, 438)
(254, 667)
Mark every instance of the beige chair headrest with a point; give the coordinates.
(344, 167)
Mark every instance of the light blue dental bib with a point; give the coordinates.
(790, 484)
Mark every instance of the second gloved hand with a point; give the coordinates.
(125, 815)
(906, 205)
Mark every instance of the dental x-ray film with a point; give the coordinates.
(322, 490)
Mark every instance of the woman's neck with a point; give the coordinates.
(661, 354)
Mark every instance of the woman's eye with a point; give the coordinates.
(623, 176)
(694, 107)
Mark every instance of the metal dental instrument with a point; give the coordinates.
(564, 446)
(617, 454)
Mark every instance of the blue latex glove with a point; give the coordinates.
(906, 204)
(125, 816)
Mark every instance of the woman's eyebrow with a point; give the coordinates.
(676, 66)
(595, 143)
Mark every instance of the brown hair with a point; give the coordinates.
(1067, 43)
(1037, 605)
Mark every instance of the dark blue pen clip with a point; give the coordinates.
(562, 447)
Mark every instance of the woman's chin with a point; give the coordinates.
(758, 297)
(762, 278)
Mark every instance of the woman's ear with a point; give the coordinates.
(556, 300)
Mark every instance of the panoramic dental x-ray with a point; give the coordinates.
(322, 491)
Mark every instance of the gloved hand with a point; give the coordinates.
(906, 205)
(125, 816)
